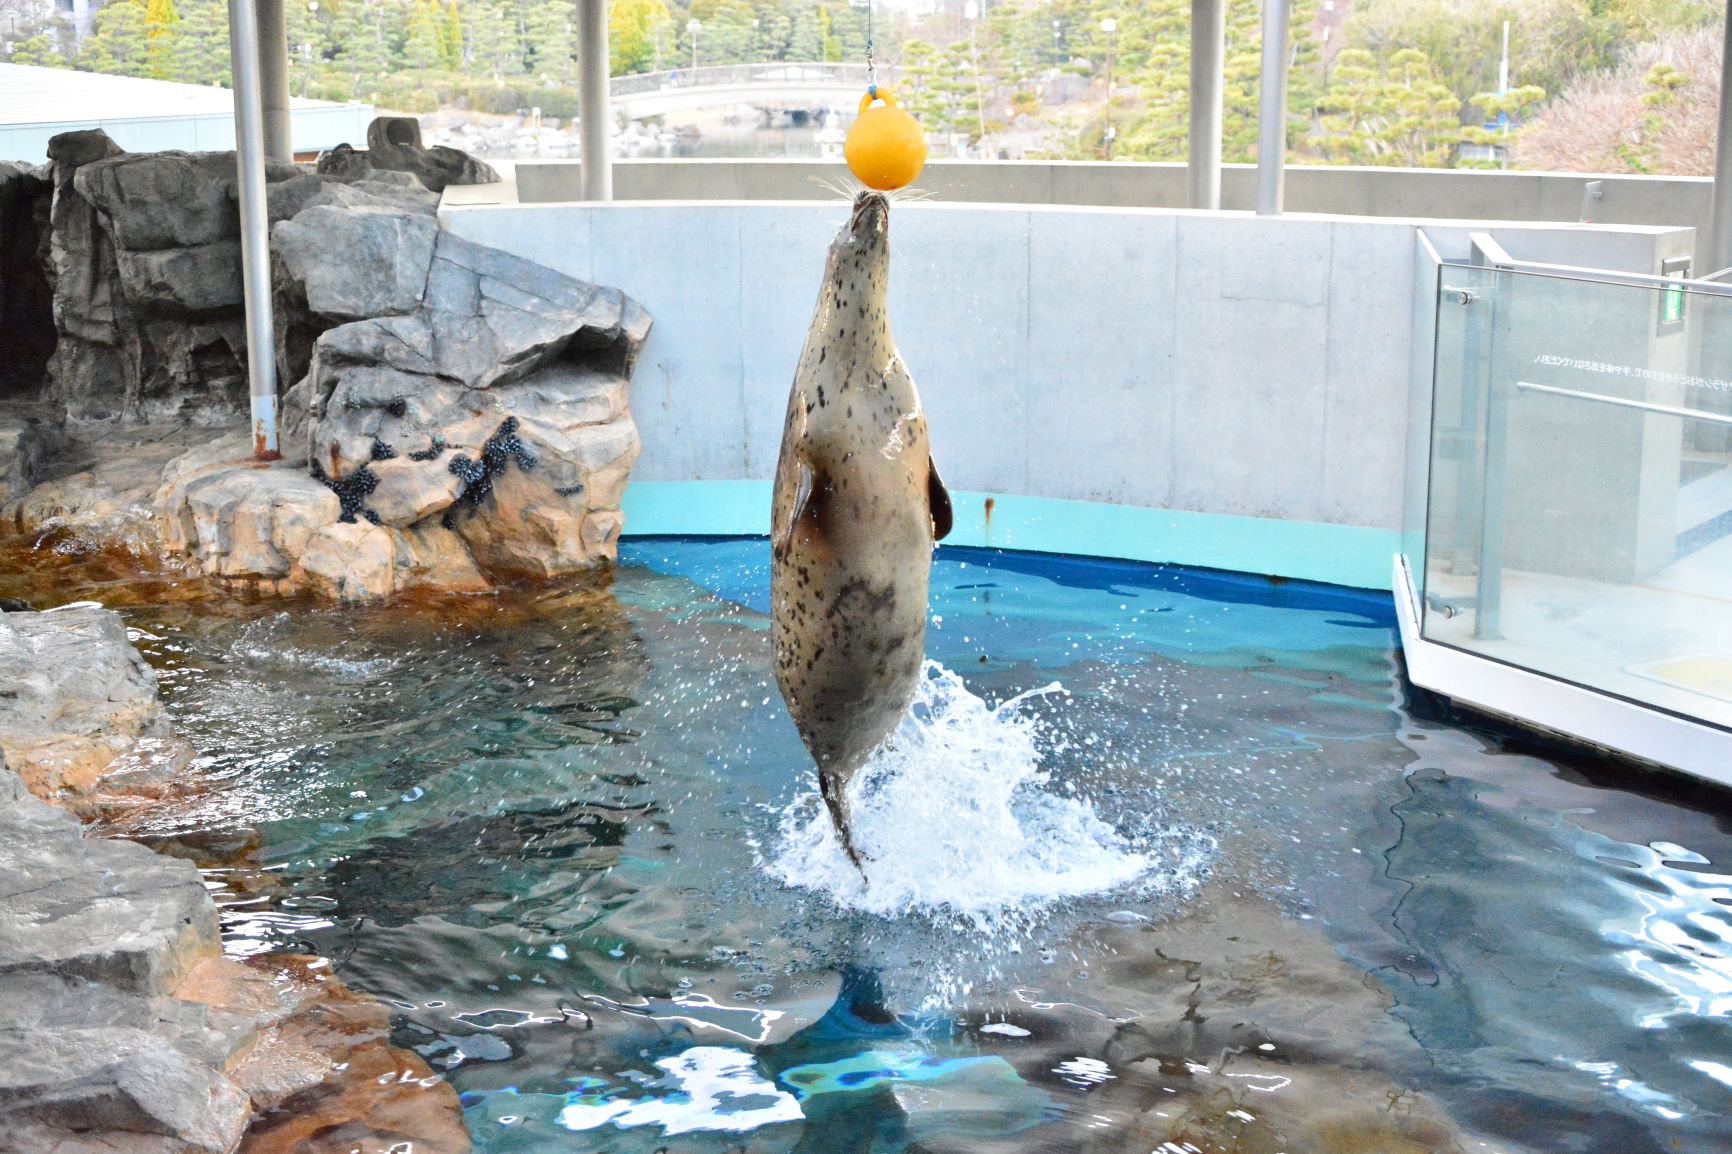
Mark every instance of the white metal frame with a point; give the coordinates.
(1571, 710)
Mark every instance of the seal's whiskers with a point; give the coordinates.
(845, 187)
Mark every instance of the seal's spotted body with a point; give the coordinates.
(858, 505)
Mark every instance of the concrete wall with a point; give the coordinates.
(1390, 192)
(1248, 369)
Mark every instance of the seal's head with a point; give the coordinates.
(859, 265)
(871, 220)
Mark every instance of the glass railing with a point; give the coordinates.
(1579, 518)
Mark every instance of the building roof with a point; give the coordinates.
(30, 95)
(147, 115)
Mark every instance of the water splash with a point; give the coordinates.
(954, 814)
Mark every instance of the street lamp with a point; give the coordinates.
(1111, 28)
(692, 29)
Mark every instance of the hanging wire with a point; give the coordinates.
(871, 65)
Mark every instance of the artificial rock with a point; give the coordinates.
(452, 414)
(123, 1028)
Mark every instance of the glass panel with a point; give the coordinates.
(1580, 504)
(1456, 405)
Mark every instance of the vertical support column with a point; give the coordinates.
(1208, 49)
(592, 99)
(274, 79)
(1720, 243)
(255, 242)
(1272, 110)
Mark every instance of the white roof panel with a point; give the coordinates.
(30, 95)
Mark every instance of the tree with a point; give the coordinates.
(490, 41)
(451, 35)
(632, 26)
(552, 37)
(41, 51)
(120, 41)
(161, 25)
(1395, 112)
(422, 49)
(200, 51)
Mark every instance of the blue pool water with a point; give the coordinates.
(1229, 889)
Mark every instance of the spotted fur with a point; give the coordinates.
(853, 523)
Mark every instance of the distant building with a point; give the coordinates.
(80, 14)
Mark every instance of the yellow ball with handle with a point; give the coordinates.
(884, 148)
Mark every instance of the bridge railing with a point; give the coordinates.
(778, 72)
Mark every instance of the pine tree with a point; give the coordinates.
(421, 47)
(488, 34)
(201, 44)
(359, 29)
(40, 51)
(119, 42)
(454, 54)
(552, 36)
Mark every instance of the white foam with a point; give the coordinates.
(953, 814)
(713, 1088)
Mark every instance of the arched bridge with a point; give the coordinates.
(779, 83)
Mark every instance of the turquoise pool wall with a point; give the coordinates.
(1349, 555)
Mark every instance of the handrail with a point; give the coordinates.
(797, 73)
(1494, 255)
(1626, 403)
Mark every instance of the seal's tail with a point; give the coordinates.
(834, 787)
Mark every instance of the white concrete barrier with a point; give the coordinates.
(1242, 373)
(1559, 197)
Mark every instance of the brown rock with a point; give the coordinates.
(411, 490)
(350, 561)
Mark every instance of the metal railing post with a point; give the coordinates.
(1272, 110)
(1203, 160)
(273, 34)
(594, 114)
(1488, 580)
(255, 240)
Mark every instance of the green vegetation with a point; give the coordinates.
(1401, 82)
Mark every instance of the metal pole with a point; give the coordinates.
(255, 241)
(1208, 48)
(594, 115)
(274, 79)
(1272, 110)
(1721, 239)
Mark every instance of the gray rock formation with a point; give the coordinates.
(121, 274)
(458, 414)
(452, 414)
(394, 144)
(122, 1027)
(26, 445)
(76, 698)
(26, 298)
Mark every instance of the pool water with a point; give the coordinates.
(1228, 889)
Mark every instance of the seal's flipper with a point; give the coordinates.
(784, 532)
(833, 787)
(938, 497)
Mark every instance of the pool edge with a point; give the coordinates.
(1354, 556)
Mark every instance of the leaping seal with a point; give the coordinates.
(858, 505)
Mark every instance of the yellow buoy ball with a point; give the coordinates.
(884, 148)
